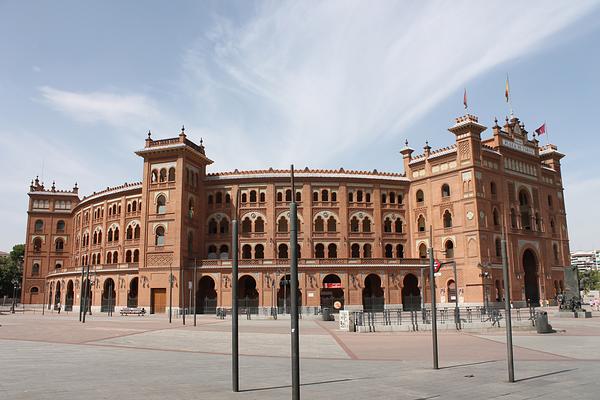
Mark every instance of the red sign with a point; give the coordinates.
(437, 265)
(336, 285)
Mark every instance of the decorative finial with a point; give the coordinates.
(149, 134)
(75, 185)
(427, 143)
(495, 120)
(406, 142)
(182, 128)
(201, 141)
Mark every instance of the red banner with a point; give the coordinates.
(336, 285)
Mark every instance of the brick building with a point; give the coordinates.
(362, 235)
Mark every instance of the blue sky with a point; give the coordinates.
(320, 84)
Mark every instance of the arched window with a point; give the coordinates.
(224, 226)
(366, 225)
(451, 289)
(498, 244)
(154, 177)
(109, 235)
(389, 251)
(447, 219)
(350, 197)
(115, 257)
(315, 196)
(259, 225)
(354, 224)
(95, 238)
(400, 198)
(368, 197)
(227, 198)
(129, 233)
(212, 250)
(136, 232)
(253, 196)
(246, 225)
(550, 201)
(332, 251)
(367, 253)
(109, 258)
(219, 198)
(161, 204)
(59, 245)
(60, 226)
(445, 190)
(134, 206)
(163, 175)
(555, 252)
(392, 197)
(319, 250)
(524, 209)
(298, 196)
(355, 250)
(191, 208)
(244, 197)
(35, 269)
(422, 250)
(224, 251)
(212, 226)
(399, 251)
(171, 174)
(282, 225)
(259, 251)
(513, 218)
(538, 222)
(398, 225)
(282, 251)
(493, 189)
(159, 236)
(324, 195)
(496, 217)
(359, 196)
(210, 199)
(449, 246)
(279, 196)
(421, 223)
(262, 197)
(39, 225)
(128, 256)
(319, 224)
(333, 196)
(246, 252)
(34, 290)
(136, 256)
(420, 197)
(331, 224)
(383, 198)
(552, 225)
(387, 225)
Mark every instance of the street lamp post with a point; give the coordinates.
(294, 293)
(195, 293)
(509, 344)
(170, 292)
(434, 337)
(14, 302)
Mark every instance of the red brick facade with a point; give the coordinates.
(362, 235)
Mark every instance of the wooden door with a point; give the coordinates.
(158, 301)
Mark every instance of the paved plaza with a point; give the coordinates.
(56, 357)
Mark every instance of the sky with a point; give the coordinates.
(324, 84)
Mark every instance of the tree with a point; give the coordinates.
(11, 270)
(590, 280)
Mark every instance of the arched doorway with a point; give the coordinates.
(108, 296)
(284, 295)
(132, 295)
(57, 296)
(247, 293)
(530, 267)
(411, 294)
(373, 299)
(451, 290)
(206, 297)
(332, 293)
(70, 297)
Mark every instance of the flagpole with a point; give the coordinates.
(508, 97)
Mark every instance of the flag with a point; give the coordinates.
(541, 130)
(507, 90)
(465, 99)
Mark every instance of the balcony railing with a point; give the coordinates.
(407, 262)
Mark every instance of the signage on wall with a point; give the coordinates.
(337, 305)
(332, 285)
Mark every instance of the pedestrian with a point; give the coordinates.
(58, 305)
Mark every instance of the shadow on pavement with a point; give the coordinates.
(469, 364)
(302, 384)
(543, 375)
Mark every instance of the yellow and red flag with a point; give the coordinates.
(465, 99)
(507, 90)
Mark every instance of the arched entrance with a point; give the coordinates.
(108, 296)
(132, 295)
(373, 299)
(411, 294)
(206, 297)
(57, 296)
(530, 267)
(247, 293)
(332, 293)
(70, 297)
(284, 294)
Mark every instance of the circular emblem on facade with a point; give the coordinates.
(360, 215)
(481, 214)
(253, 215)
(470, 215)
(326, 214)
(337, 305)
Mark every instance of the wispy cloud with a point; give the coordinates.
(112, 108)
(317, 78)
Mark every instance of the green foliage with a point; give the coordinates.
(590, 280)
(11, 269)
